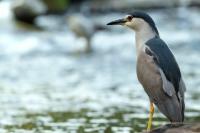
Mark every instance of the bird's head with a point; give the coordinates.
(136, 21)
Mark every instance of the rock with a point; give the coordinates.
(183, 128)
(27, 10)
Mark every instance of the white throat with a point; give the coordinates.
(142, 36)
(143, 32)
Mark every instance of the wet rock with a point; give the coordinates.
(184, 128)
(27, 10)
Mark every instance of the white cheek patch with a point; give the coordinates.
(129, 24)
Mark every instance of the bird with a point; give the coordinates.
(84, 27)
(157, 68)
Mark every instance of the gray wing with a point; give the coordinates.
(169, 68)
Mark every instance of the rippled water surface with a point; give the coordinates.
(47, 86)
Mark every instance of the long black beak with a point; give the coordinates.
(117, 22)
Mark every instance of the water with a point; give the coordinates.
(47, 86)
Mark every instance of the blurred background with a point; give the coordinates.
(63, 70)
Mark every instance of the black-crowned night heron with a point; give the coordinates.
(82, 27)
(157, 69)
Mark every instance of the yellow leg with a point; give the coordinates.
(150, 117)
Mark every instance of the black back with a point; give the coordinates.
(165, 60)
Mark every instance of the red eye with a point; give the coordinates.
(130, 18)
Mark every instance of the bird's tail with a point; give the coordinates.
(172, 109)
